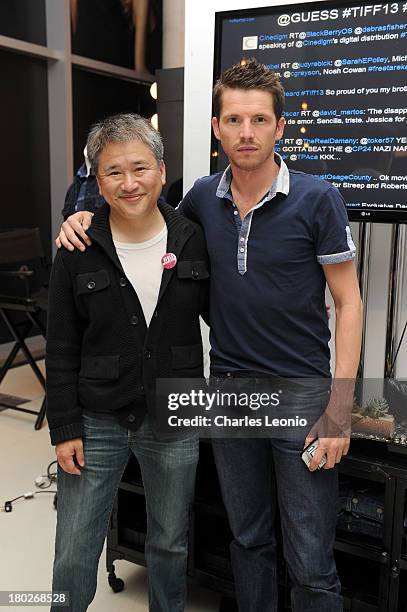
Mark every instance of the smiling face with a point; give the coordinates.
(130, 179)
(247, 127)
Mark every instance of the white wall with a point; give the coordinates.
(199, 44)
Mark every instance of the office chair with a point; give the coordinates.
(23, 298)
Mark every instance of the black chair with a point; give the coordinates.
(23, 298)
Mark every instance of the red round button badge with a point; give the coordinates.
(169, 261)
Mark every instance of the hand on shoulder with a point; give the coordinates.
(73, 229)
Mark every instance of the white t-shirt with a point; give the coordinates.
(142, 265)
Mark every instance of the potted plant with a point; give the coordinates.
(373, 419)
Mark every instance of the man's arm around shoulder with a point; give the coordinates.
(74, 228)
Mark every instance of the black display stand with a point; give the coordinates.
(373, 570)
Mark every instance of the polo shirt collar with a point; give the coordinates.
(280, 185)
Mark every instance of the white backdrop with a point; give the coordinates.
(199, 48)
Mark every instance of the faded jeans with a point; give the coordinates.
(85, 504)
(255, 475)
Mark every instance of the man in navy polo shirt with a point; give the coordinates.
(275, 238)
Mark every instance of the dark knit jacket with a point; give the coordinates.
(100, 355)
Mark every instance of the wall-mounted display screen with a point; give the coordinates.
(344, 70)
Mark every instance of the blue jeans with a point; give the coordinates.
(85, 504)
(255, 475)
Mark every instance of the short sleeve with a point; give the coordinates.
(332, 235)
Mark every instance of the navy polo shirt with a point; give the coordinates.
(267, 301)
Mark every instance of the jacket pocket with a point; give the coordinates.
(192, 279)
(192, 270)
(92, 282)
(100, 367)
(187, 357)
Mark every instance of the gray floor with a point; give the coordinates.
(27, 533)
